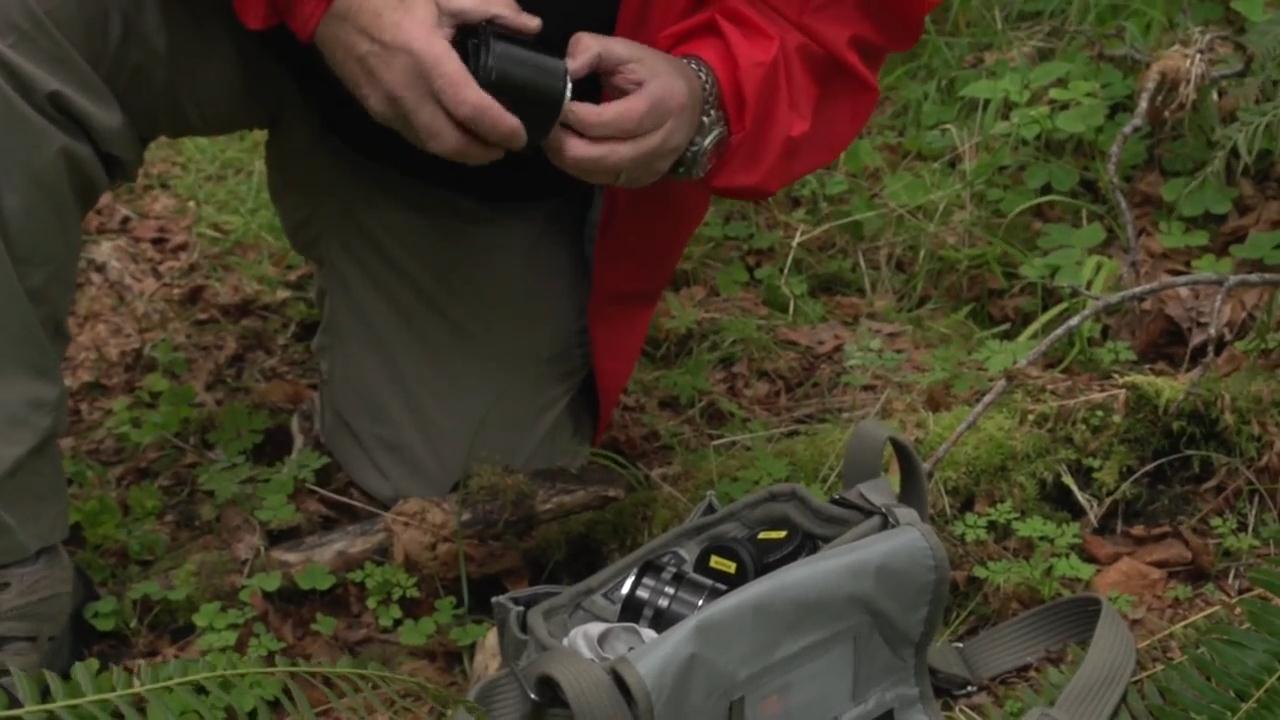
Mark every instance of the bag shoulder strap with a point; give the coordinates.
(1097, 688)
(555, 678)
(864, 464)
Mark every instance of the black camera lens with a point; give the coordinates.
(532, 85)
(732, 563)
(658, 595)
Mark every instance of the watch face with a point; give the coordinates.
(710, 150)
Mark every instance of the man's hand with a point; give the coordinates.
(395, 56)
(651, 113)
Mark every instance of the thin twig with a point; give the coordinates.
(1095, 308)
(348, 501)
(1106, 504)
(786, 273)
(1086, 399)
(1135, 124)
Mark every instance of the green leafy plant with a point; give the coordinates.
(1067, 250)
(1050, 566)
(263, 583)
(238, 430)
(1233, 542)
(219, 626)
(763, 468)
(314, 576)
(385, 587)
(161, 409)
(325, 625)
(105, 615)
(468, 634)
(972, 528)
(416, 633)
(1261, 246)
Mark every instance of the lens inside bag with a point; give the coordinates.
(657, 595)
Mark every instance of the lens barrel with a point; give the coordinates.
(658, 595)
(532, 85)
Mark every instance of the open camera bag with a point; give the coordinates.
(849, 632)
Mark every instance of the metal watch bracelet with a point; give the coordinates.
(699, 156)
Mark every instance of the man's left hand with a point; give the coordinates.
(650, 115)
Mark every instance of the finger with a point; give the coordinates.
(471, 107)
(507, 13)
(602, 162)
(520, 22)
(591, 53)
(433, 130)
(628, 117)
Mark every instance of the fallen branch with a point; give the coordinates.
(1187, 70)
(1095, 308)
(426, 531)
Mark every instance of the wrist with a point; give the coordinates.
(711, 129)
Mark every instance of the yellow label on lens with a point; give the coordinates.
(723, 565)
(772, 535)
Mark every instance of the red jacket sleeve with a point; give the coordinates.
(799, 79)
(302, 16)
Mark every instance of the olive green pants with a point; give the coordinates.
(453, 330)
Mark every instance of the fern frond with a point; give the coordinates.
(1263, 41)
(226, 687)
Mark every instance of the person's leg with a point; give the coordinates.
(454, 330)
(84, 85)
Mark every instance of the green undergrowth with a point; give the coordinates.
(1021, 450)
(970, 218)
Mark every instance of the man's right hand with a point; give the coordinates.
(396, 57)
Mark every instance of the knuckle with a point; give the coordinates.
(581, 42)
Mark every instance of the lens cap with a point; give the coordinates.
(732, 562)
(780, 544)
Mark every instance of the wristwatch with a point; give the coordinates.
(713, 128)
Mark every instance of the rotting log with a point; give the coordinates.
(492, 510)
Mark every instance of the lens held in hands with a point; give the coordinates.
(532, 85)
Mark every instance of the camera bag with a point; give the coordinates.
(848, 632)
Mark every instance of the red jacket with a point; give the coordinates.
(799, 79)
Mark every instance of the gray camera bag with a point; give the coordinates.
(847, 633)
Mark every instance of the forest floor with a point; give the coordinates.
(1140, 457)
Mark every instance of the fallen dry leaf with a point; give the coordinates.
(1130, 577)
(1202, 556)
(823, 339)
(285, 394)
(1107, 550)
(487, 660)
(1143, 533)
(1167, 553)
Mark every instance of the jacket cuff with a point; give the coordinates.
(303, 16)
